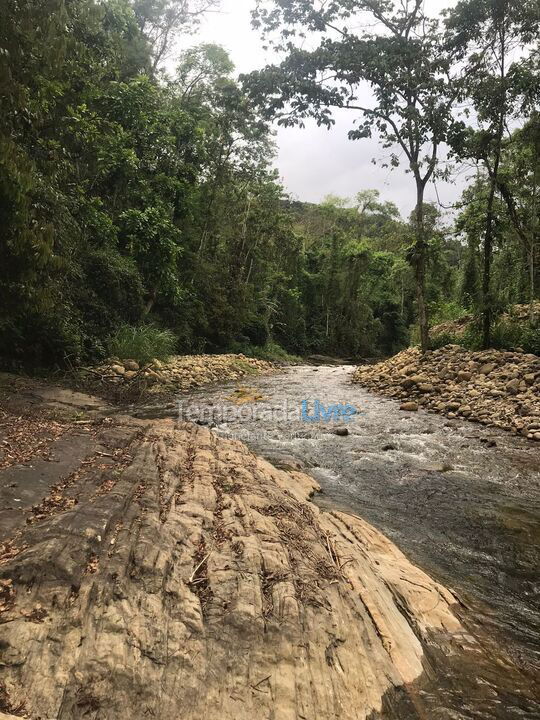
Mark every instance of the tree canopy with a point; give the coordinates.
(137, 186)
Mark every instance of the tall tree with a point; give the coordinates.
(486, 33)
(162, 21)
(519, 184)
(404, 63)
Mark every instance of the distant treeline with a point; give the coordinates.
(135, 198)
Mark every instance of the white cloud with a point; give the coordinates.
(314, 162)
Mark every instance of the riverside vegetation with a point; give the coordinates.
(137, 196)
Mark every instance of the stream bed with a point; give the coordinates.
(460, 500)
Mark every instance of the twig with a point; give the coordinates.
(199, 566)
(256, 686)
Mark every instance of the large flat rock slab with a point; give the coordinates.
(152, 569)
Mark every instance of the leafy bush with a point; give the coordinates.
(273, 352)
(116, 281)
(505, 335)
(439, 341)
(270, 351)
(48, 338)
(143, 343)
(446, 312)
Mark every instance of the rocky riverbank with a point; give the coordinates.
(179, 373)
(496, 388)
(153, 569)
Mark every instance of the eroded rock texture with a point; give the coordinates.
(168, 573)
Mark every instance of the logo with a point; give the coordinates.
(338, 412)
(307, 411)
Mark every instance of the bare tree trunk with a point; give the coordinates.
(494, 177)
(531, 284)
(150, 303)
(486, 278)
(420, 267)
(534, 220)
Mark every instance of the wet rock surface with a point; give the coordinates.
(496, 388)
(172, 573)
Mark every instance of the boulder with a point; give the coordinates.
(513, 386)
(487, 368)
(419, 379)
(409, 406)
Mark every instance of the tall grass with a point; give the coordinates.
(143, 343)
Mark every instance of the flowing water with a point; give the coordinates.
(462, 501)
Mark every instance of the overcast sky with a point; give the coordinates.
(314, 162)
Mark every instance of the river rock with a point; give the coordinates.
(487, 368)
(513, 386)
(419, 379)
(410, 406)
(131, 365)
(182, 372)
(496, 388)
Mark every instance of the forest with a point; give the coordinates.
(138, 195)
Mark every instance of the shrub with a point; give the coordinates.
(446, 312)
(442, 339)
(142, 343)
(505, 335)
(116, 281)
(271, 351)
(508, 334)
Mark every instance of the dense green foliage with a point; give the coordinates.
(139, 208)
(125, 196)
(435, 85)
